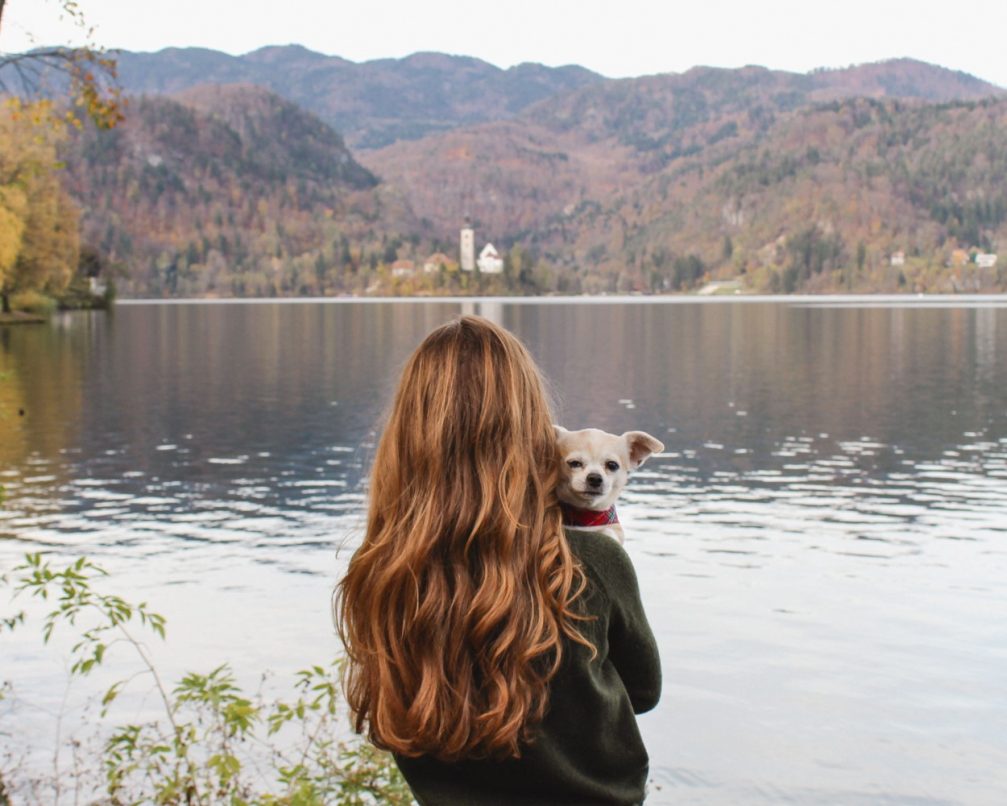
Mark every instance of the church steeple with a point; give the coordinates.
(467, 246)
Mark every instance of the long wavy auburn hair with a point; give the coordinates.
(454, 608)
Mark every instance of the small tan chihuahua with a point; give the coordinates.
(595, 468)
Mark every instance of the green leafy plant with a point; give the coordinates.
(215, 744)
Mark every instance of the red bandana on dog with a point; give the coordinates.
(575, 516)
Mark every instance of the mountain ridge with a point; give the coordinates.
(379, 102)
(604, 136)
(370, 103)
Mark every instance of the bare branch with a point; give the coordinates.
(85, 76)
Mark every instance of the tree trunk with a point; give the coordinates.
(3, 294)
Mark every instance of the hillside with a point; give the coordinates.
(782, 181)
(372, 104)
(820, 201)
(582, 146)
(279, 140)
(226, 190)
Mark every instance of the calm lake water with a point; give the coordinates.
(822, 547)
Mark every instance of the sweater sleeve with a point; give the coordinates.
(632, 646)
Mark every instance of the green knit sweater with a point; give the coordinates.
(588, 748)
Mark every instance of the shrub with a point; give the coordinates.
(205, 747)
(32, 302)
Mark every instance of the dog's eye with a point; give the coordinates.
(612, 466)
(575, 464)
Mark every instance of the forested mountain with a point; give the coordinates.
(786, 181)
(647, 183)
(586, 144)
(370, 103)
(820, 201)
(229, 190)
(376, 103)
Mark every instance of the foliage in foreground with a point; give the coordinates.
(215, 744)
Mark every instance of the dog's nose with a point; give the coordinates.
(594, 479)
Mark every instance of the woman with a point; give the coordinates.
(498, 658)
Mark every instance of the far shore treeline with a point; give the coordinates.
(287, 173)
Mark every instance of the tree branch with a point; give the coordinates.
(85, 75)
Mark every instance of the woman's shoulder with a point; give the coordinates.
(594, 545)
(603, 558)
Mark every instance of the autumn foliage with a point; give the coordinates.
(38, 220)
(45, 92)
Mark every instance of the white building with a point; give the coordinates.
(468, 249)
(985, 260)
(490, 261)
(437, 261)
(898, 259)
(403, 268)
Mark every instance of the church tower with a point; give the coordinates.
(468, 247)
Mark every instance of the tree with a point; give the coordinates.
(49, 246)
(39, 246)
(86, 74)
(686, 270)
(38, 221)
(812, 251)
(12, 210)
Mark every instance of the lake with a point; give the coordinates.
(822, 547)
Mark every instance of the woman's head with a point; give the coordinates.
(454, 608)
(471, 419)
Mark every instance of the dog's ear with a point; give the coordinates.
(641, 445)
(560, 430)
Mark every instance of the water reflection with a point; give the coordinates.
(821, 545)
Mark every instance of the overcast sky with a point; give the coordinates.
(616, 38)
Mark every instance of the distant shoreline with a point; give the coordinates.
(807, 300)
(21, 318)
